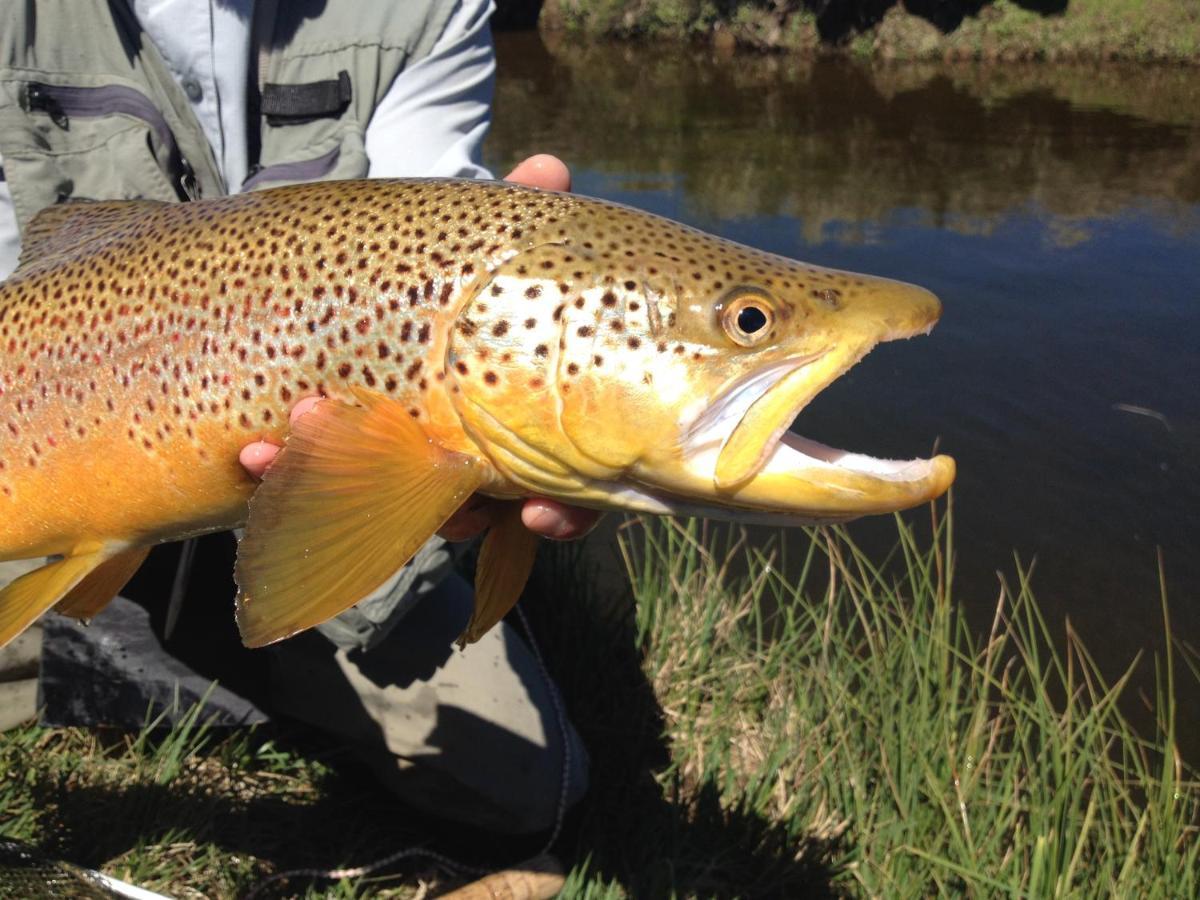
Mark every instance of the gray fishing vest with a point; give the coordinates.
(89, 109)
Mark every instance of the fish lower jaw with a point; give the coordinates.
(795, 453)
(804, 481)
(803, 474)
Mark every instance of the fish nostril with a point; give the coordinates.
(831, 297)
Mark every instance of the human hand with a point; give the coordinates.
(548, 518)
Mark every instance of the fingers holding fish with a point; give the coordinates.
(473, 518)
(544, 517)
(558, 521)
(258, 456)
(542, 171)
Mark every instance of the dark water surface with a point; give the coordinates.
(1056, 212)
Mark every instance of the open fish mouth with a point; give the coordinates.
(742, 447)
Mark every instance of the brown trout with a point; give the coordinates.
(468, 336)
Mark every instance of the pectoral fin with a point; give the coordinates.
(26, 598)
(98, 587)
(505, 561)
(352, 496)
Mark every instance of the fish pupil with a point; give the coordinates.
(751, 319)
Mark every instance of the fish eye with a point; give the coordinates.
(751, 319)
(747, 320)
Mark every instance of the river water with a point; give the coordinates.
(1056, 212)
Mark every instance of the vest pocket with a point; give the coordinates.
(315, 155)
(313, 169)
(102, 143)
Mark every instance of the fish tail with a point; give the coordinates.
(80, 583)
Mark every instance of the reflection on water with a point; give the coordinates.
(1055, 211)
(842, 147)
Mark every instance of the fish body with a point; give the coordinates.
(470, 336)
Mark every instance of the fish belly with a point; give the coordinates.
(104, 488)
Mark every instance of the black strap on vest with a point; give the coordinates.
(295, 104)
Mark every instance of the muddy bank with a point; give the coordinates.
(1009, 30)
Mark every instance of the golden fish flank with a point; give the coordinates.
(470, 336)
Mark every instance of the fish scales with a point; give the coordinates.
(191, 329)
(561, 344)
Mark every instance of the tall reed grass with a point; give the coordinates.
(826, 725)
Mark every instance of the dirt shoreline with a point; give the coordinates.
(1164, 31)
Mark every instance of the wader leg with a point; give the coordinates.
(470, 735)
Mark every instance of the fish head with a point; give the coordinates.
(637, 363)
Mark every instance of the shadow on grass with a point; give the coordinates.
(642, 826)
(339, 819)
(630, 831)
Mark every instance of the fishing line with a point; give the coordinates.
(448, 862)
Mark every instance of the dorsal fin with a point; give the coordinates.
(64, 228)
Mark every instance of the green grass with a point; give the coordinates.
(760, 726)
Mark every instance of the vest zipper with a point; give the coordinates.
(61, 102)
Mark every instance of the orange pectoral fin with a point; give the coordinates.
(505, 561)
(99, 586)
(351, 497)
(26, 598)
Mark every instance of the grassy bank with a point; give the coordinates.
(1010, 30)
(845, 736)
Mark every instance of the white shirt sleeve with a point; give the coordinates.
(433, 118)
(10, 238)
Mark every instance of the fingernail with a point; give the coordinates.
(544, 520)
